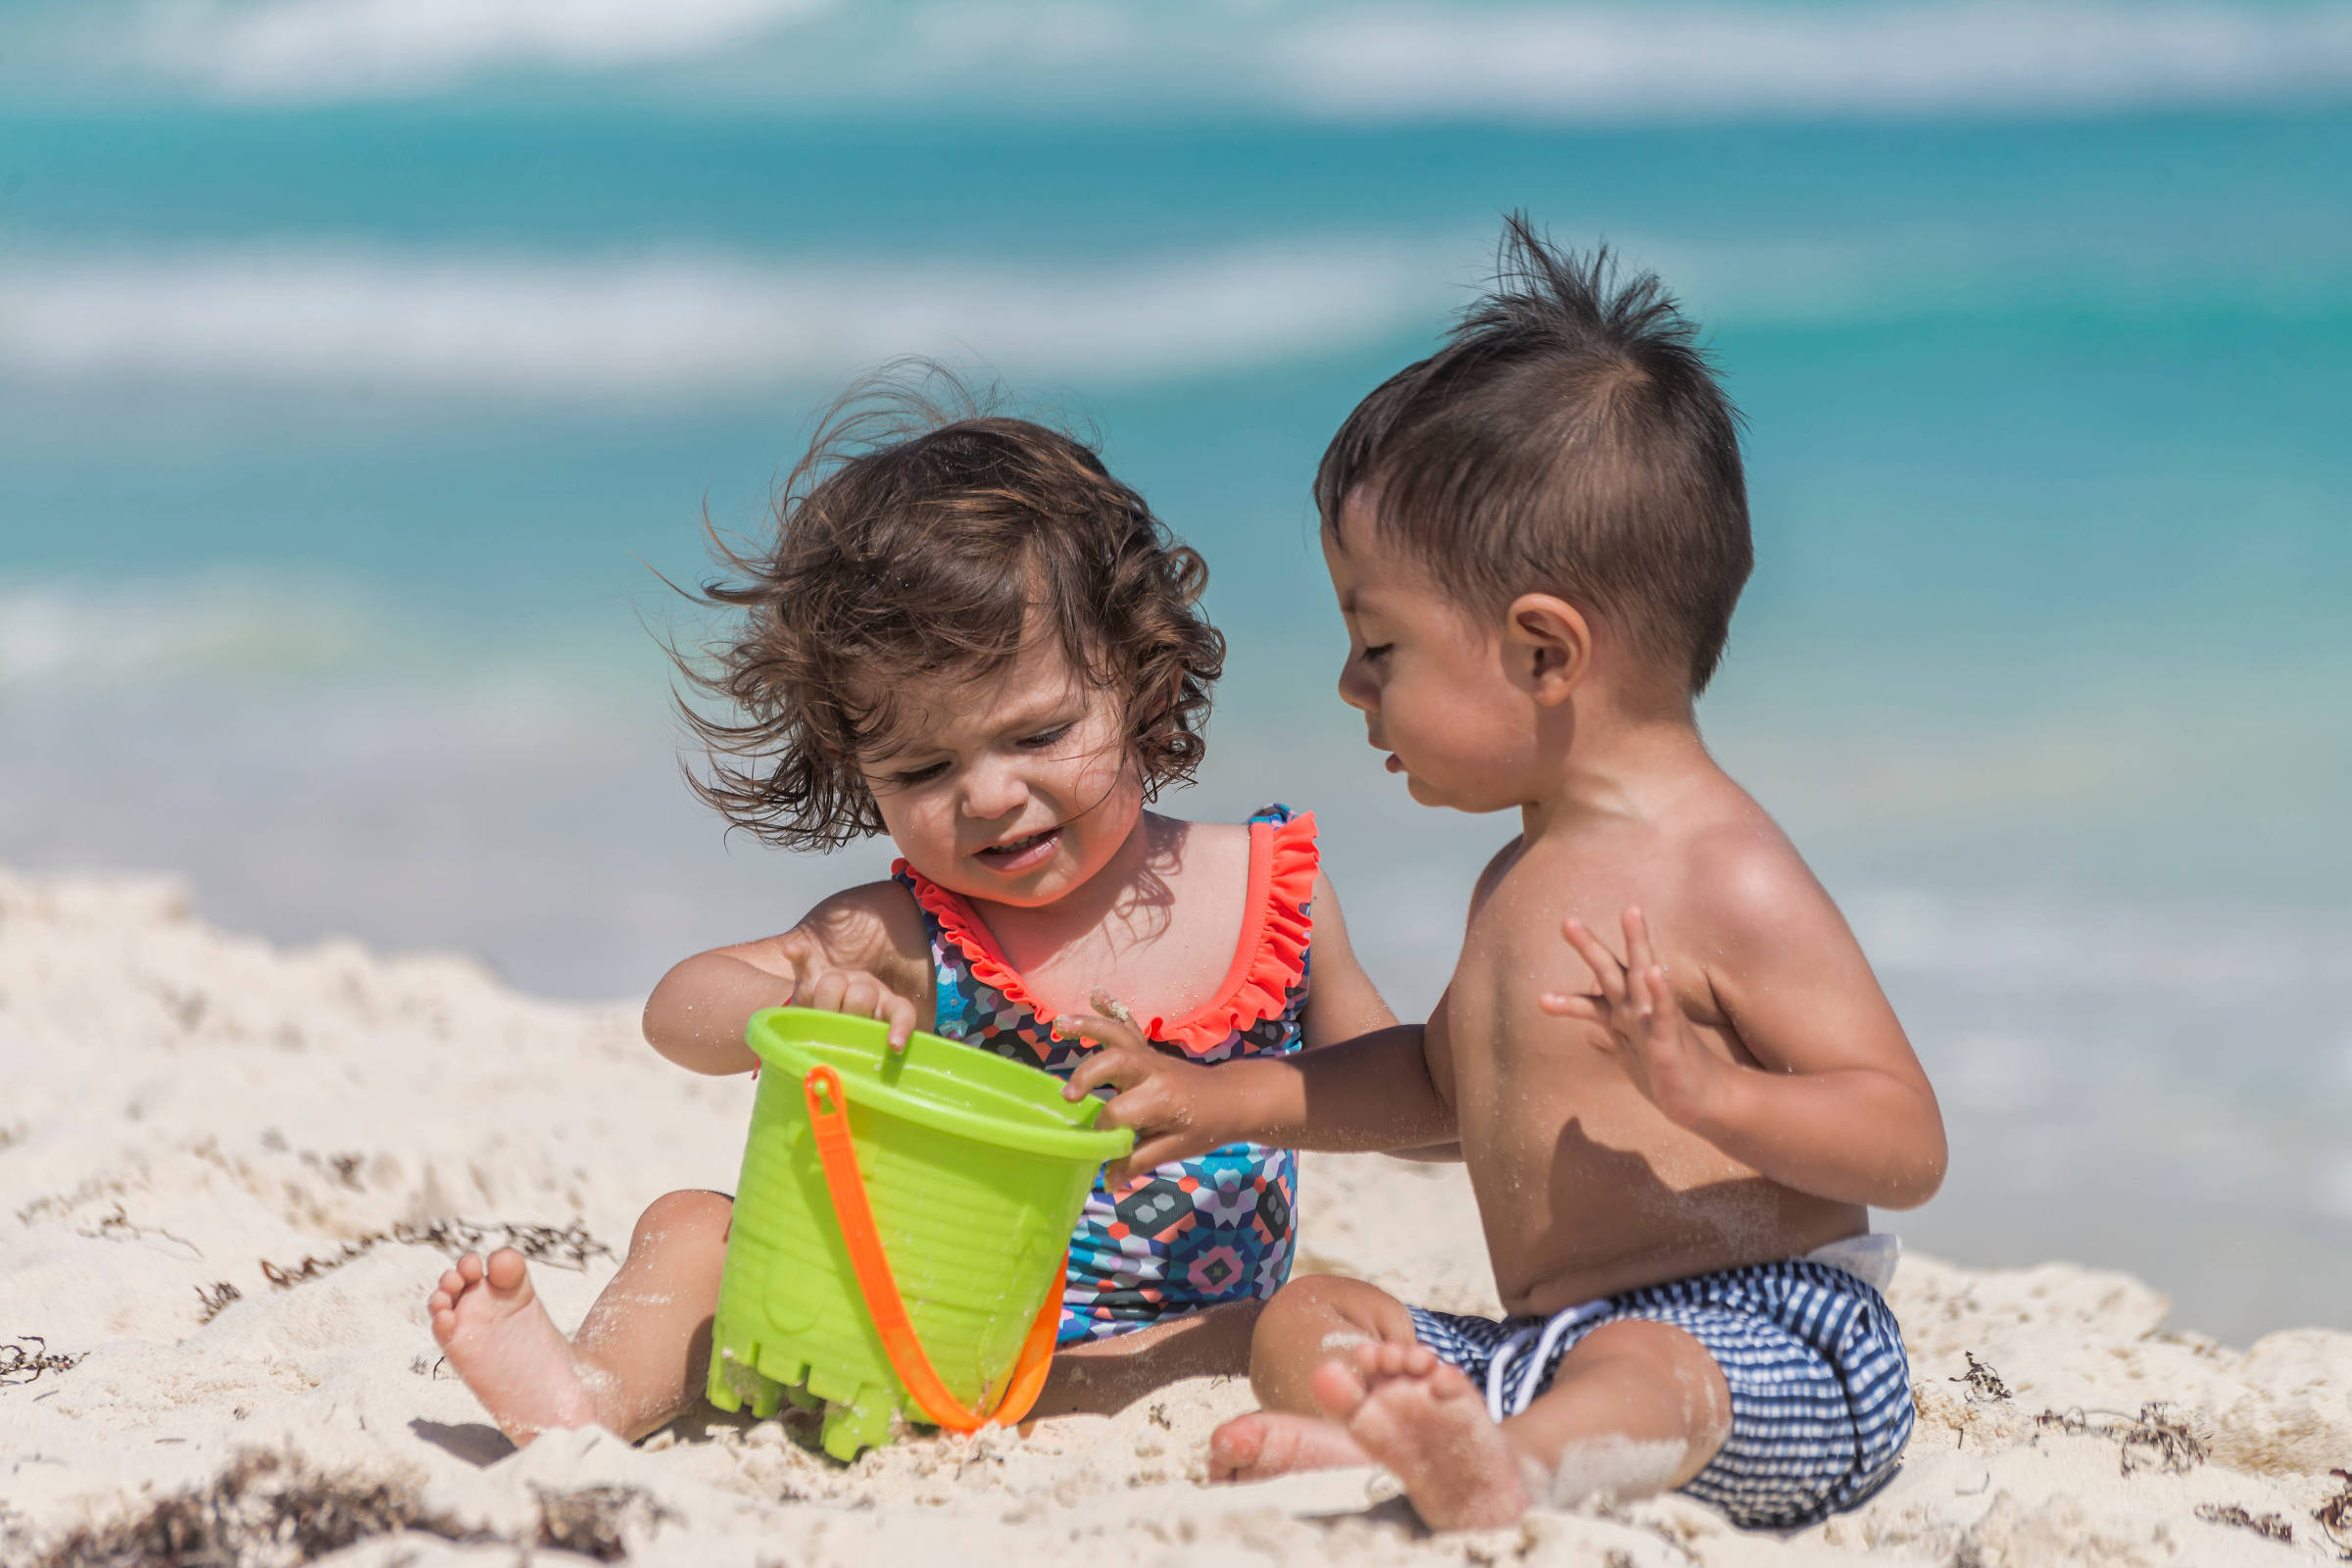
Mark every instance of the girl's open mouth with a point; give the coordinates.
(1020, 855)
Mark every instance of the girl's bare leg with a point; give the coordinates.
(642, 1354)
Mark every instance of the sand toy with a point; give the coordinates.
(900, 1230)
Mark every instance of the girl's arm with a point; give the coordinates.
(1344, 1005)
(862, 951)
(1342, 1002)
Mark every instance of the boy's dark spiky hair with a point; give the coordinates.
(1569, 438)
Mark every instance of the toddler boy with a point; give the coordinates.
(1538, 536)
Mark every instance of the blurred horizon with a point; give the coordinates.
(362, 362)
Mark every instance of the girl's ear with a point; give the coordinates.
(1551, 646)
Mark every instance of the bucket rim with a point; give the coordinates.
(771, 1032)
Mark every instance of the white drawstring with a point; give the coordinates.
(1547, 1337)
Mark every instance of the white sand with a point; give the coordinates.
(178, 1105)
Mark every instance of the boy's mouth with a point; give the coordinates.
(1021, 854)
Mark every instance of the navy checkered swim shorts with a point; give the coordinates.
(1821, 1394)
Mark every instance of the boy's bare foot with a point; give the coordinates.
(1267, 1442)
(1422, 1420)
(490, 1323)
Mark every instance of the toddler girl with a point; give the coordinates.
(969, 636)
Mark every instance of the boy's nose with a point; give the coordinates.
(1355, 686)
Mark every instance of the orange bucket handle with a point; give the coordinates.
(839, 1157)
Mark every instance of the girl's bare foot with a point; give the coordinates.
(490, 1323)
(1422, 1420)
(1267, 1442)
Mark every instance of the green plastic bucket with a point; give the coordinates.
(975, 1169)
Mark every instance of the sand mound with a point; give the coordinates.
(229, 1173)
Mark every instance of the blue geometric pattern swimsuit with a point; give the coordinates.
(1821, 1390)
(1199, 1232)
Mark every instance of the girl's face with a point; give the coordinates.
(1017, 788)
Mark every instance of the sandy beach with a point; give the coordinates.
(229, 1173)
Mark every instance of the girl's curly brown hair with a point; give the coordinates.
(914, 542)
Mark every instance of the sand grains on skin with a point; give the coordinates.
(491, 1324)
(1420, 1419)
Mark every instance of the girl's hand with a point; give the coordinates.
(1170, 1102)
(814, 983)
(1644, 1023)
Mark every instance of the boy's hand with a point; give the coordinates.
(1169, 1102)
(1662, 1054)
(800, 962)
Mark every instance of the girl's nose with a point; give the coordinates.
(992, 789)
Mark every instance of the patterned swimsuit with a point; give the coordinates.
(1199, 1232)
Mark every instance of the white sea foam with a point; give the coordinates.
(340, 49)
(60, 637)
(683, 325)
(1575, 63)
(1608, 63)
(715, 324)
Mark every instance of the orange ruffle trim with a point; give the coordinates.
(1269, 961)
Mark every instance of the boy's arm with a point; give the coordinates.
(862, 951)
(1375, 1093)
(1837, 1105)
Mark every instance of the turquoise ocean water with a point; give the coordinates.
(356, 379)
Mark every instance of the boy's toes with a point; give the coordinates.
(453, 1283)
(505, 1270)
(1338, 1386)
(469, 1269)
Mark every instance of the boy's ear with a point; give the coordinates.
(1551, 645)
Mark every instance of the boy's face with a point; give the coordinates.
(1016, 787)
(1428, 675)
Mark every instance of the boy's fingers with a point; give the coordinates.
(1636, 940)
(1114, 1066)
(1607, 972)
(1101, 1031)
(1566, 1004)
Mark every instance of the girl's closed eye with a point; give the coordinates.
(908, 778)
(1048, 737)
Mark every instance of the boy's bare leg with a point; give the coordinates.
(642, 1353)
(1107, 1376)
(1308, 1322)
(1636, 1407)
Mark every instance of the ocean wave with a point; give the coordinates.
(701, 326)
(62, 637)
(1579, 62)
(1614, 63)
(716, 326)
(345, 49)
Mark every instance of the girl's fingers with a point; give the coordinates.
(899, 1013)
(1607, 974)
(825, 991)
